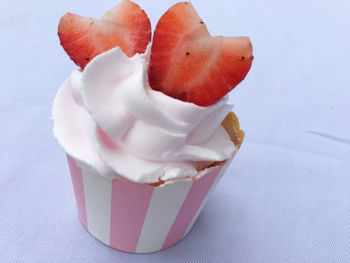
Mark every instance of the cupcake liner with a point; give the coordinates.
(140, 218)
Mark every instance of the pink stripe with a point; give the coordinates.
(194, 198)
(130, 203)
(77, 180)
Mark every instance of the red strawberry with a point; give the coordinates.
(187, 63)
(126, 26)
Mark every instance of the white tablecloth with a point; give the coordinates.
(286, 196)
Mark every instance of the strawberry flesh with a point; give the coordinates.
(188, 64)
(126, 26)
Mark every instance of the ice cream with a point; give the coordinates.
(109, 119)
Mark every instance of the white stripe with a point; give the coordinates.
(97, 191)
(164, 206)
(217, 179)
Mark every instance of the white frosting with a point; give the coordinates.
(109, 119)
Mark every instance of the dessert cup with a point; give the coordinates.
(144, 218)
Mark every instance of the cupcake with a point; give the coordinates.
(146, 126)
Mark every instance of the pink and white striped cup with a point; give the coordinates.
(139, 218)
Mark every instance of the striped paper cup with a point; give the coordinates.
(139, 218)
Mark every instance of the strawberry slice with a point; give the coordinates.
(126, 26)
(188, 64)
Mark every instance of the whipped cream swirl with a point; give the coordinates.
(109, 119)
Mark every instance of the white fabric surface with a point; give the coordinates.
(286, 196)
